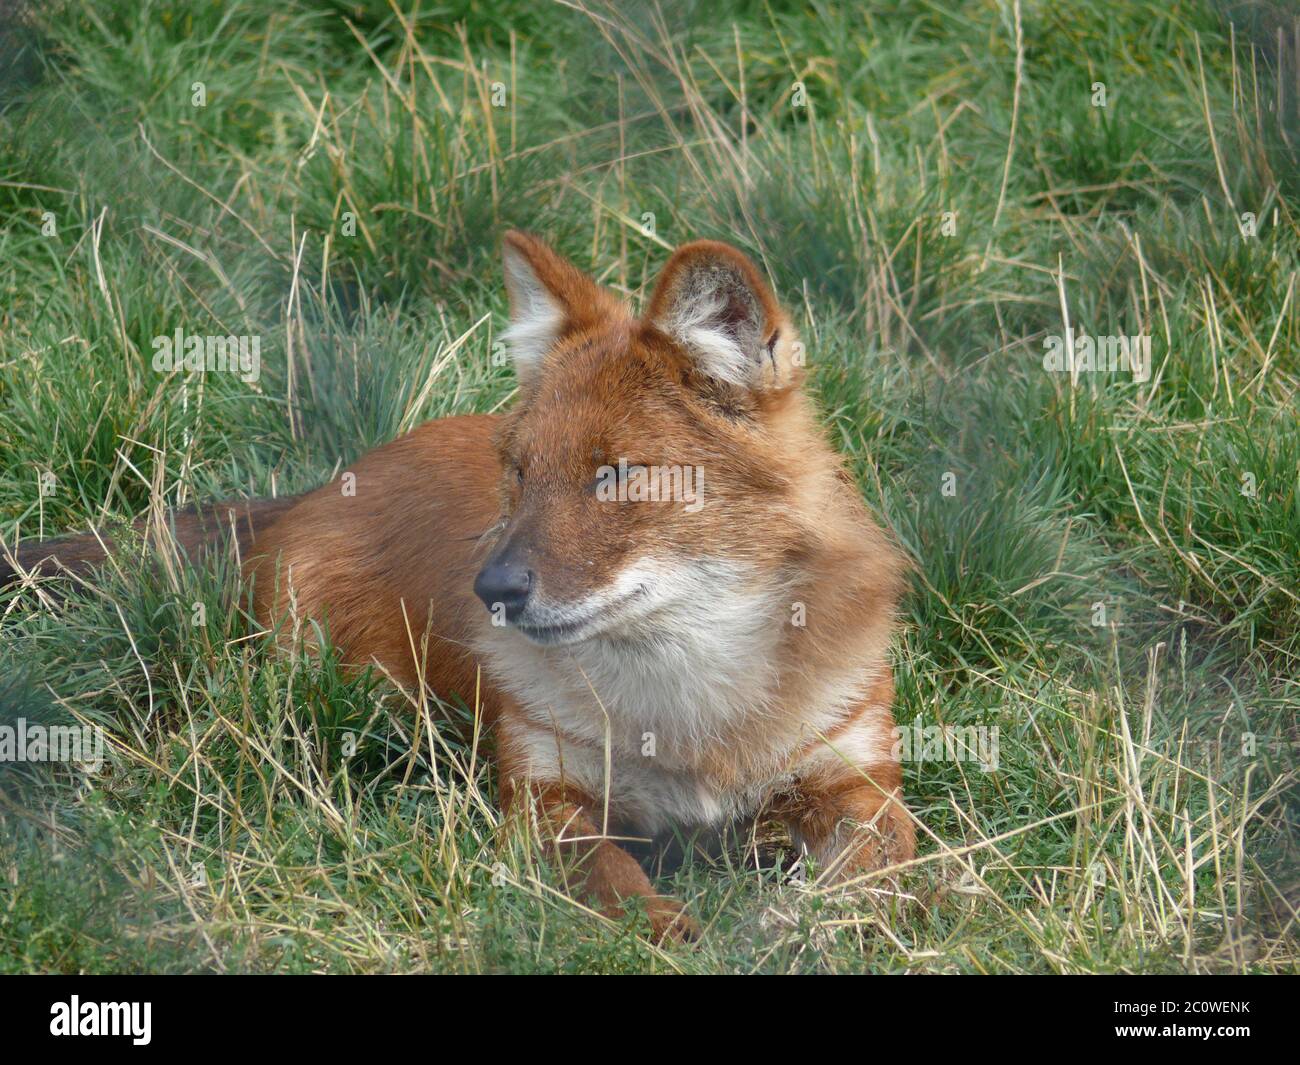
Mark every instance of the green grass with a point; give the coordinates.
(1143, 815)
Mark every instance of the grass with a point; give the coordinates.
(1107, 569)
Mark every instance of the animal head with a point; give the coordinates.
(654, 468)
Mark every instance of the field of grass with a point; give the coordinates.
(1107, 568)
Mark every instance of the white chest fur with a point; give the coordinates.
(648, 713)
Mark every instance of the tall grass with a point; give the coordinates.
(1107, 569)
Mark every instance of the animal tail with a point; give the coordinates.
(195, 529)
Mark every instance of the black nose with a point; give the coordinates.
(507, 583)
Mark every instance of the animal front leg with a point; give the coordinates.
(847, 808)
(591, 863)
(852, 826)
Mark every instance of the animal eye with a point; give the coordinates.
(616, 475)
(519, 474)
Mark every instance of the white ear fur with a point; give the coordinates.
(536, 317)
(702, 319)
(714, 312)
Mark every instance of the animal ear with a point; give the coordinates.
(713, 302)
(549, 296)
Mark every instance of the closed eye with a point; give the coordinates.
(619, 473)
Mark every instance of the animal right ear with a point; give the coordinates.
(549, 296)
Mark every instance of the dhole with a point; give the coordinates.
(643, 663)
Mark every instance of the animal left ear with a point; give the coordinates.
(714, 302)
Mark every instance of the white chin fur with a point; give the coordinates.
(631, 604)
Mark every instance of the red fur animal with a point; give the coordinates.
(646, 662)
